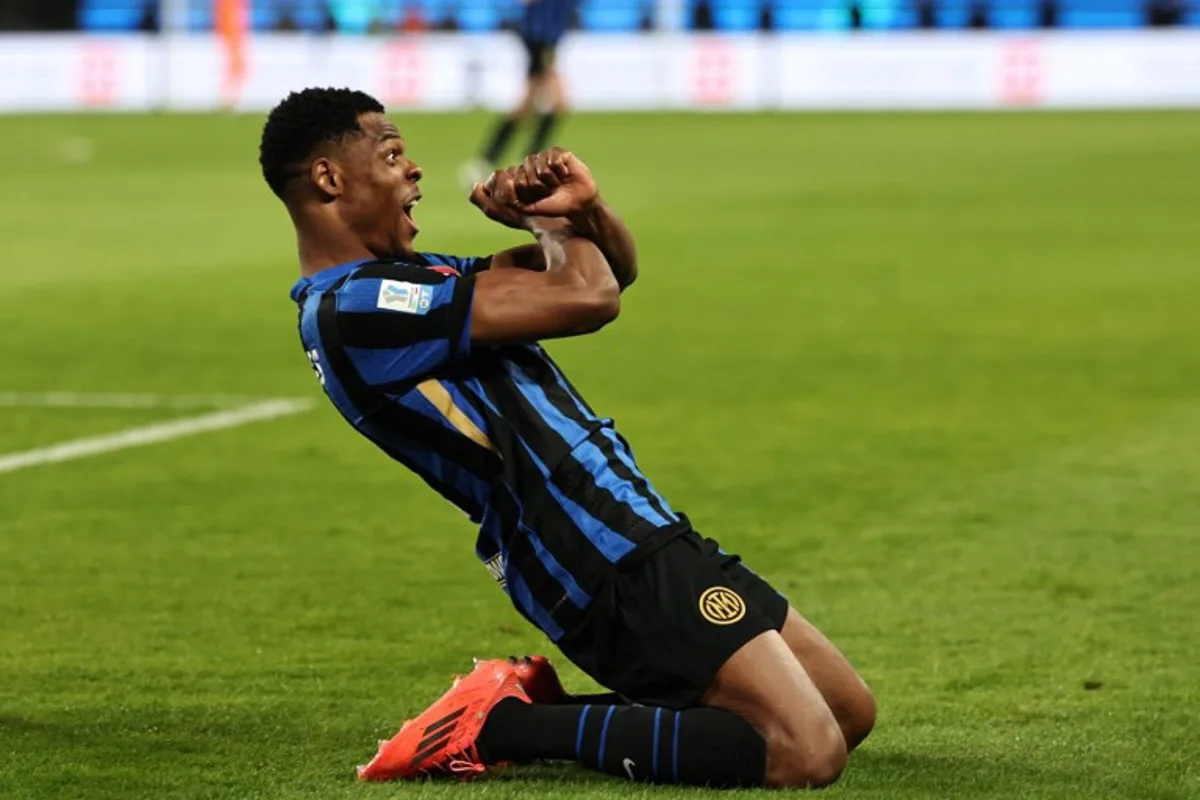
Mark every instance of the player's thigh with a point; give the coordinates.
(844, 691)
(843, 688)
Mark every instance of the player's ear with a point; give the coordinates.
(327, 176)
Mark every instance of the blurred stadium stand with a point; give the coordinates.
(360, 16)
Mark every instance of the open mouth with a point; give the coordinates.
(408, 209)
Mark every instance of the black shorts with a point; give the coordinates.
(670, 616)
(541, 56)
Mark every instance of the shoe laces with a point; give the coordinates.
(465, 763)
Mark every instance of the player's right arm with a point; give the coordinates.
(574, 294)
(395, 323)
(555, 184)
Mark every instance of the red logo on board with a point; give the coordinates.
(1022, 73)
(402, 73)
(98, 75)
(714, 72)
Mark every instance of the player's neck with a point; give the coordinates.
(320, 255)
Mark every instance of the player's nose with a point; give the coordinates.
(415, 173)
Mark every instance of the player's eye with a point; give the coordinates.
(392, 156)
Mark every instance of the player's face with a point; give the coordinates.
(381, 188)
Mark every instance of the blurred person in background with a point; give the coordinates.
(856, 17)
(541, 27)
(1164, 13)
(413, 21)
(231, 21)
(977, 17)
(927, 14)
(37, 15)
(766, 17)
(1048, 14)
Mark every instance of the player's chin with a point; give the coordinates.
(405, 241)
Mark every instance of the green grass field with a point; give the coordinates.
(938, 377)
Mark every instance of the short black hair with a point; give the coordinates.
(304, 121)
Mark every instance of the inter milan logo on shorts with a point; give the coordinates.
(722, 606)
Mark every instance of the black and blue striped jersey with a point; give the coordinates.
(546, 21)
(498, 431)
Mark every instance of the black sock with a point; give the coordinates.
(542, 134)
(512, 733)
(697, 746)
(500, 136)
(605, 699)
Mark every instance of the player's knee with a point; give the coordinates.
(860, 715)
(811, 757)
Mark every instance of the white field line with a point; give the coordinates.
(150, 434)
(119, 400)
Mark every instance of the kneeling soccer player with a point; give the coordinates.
(435, 359)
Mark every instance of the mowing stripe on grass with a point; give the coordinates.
(150, 434)
(120, 400)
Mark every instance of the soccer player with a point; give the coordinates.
(541, 27)
(436, 360)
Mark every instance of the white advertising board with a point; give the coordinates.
(638, 72)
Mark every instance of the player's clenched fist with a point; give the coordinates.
(552, 183)
(496, 197)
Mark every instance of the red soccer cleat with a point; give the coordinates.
(539, 679)
(537, 676)
(443, 738)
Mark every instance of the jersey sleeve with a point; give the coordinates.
(463, 265)
(399, 322)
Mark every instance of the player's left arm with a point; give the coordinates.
(598, 222)
(555, 183)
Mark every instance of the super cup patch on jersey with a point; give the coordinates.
(407, 298)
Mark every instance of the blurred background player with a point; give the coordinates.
(541, 26)
(231, 20)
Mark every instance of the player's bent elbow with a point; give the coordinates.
(600, 306)
(609, 304)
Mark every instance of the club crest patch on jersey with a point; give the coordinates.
(407, 298)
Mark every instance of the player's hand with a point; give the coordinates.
(554, 183)
(496, 197)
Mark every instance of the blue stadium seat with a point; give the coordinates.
(905, 18)
(1079, 18)
(796, 18)
(478, 15)
(113, 15)
(264, 14)
(199, 17)
(1014, 17)
(307, 14)
(436, 12)
(612, 15)
(736, 15)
